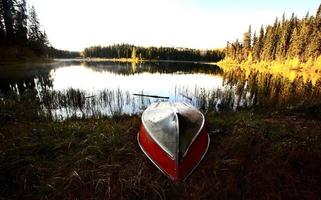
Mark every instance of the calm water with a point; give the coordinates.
(108, 87)
(70, 88)
(162, 79)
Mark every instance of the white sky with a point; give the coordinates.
(76, 24)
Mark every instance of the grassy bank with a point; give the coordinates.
(251, 156)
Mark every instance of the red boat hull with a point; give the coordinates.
(175, 169)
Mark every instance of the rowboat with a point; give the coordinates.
(173, 137)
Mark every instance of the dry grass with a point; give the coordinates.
(251, 157)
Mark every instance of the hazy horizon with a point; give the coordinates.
(202, 24)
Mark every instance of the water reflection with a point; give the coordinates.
(74, 88)
(110, 85)
(82, 89)
(272, 90)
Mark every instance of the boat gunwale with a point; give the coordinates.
(168, 175)
(154, 162)
(206, 150)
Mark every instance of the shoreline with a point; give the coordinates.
(129, 60)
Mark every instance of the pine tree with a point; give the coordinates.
(292, 38)
(271, 41)
(33, 26)
(281, 43)
(318, 14)
(8, 14)
(267, 43)
(44, 39)
(258, 47)
(296, 47)
(314, 49)
(305, 37)
(38, 41)
(2, 28)
(21, 22)
(289, 35)
(285, 38)
(247, 42)
(254, 40)
(277, 31)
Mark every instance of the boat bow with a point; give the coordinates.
(173, 137)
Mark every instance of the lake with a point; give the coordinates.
(78, 88)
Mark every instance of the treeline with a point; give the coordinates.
(286, 39)
(153, 53)
(56, 53)
(20, 28)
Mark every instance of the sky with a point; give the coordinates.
(203, 24)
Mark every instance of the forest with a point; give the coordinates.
(21, 34)
(292, 38)
(153, 53)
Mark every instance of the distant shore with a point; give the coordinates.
(133, 60)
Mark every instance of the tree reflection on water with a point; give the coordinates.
(238, 90)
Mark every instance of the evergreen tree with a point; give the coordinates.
(305, 38)
(37, 40)
(2, 28)
(8, 14)
(293, 38)
(255, 39)
(21, 22)
(254, 44)
(33, 26)
(268, 44)
(277, 31)
(318, 14)
(314, 49)
(247, 42)
(296, 47)
(162, 53)
(19, 30)
(259, 45)
(285, 38)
